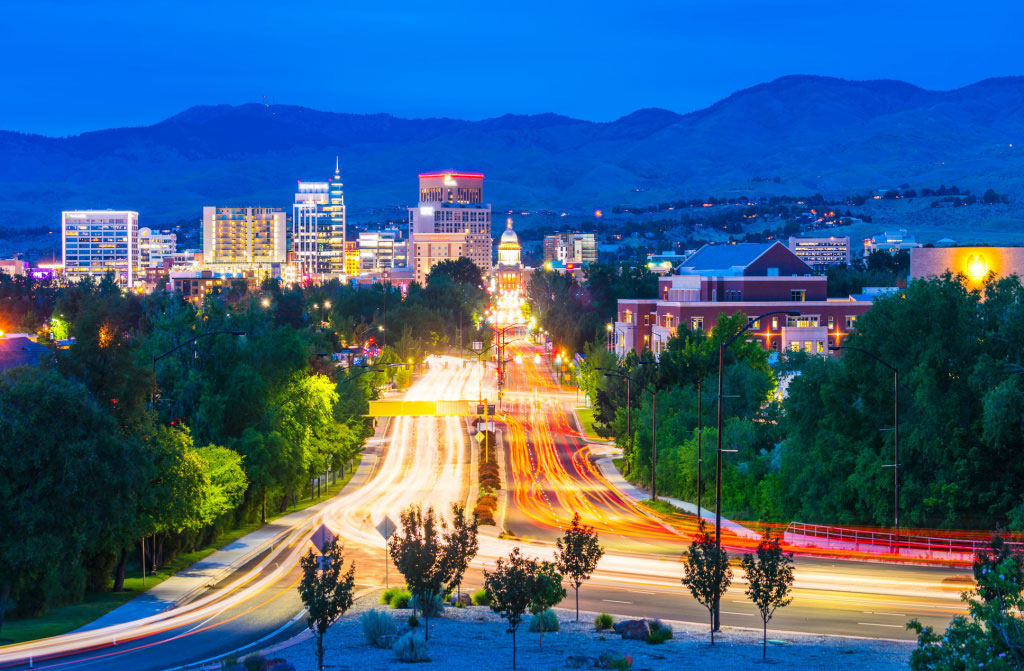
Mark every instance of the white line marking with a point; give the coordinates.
(876, 624)
(614, 601)
(729, 612)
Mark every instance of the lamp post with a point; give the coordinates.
(718, 438)
(896, 434)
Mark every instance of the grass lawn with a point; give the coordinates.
(586, 416)
(68, 618)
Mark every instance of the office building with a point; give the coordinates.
(751, 278)
(12, 267)
(318, 228)
(382, 249)
(821, 253)
(244, 236)
(452, 203)
(154, 247)
(95, 242)
(571, 248)
(429, 249)
(351, 258)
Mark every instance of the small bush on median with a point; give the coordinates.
(411, 647)
(385, 597)
(660, 632)
(481, 597)
(603, 621)
(377, 627)
(400, 599)
(550, 622)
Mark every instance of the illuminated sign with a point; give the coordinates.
(427, 211)
(450, 181)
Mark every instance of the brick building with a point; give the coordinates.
(751, 278)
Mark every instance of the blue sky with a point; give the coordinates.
(72, 66)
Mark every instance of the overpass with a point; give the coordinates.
(392, 408)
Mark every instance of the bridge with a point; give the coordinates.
(429, 409)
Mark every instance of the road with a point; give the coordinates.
(428, 461)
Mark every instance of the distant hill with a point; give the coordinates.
(815, 134)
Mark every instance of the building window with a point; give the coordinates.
(647, 319)
(664, 293)
(801, 321)
(798, 295)
(775, 323)
(821, 347)
(794, 346)
(831, 322)
(755, 324)
(627, 317)
(808, 346)
(851, 321)
(696, 324)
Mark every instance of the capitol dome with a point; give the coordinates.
(509, 250)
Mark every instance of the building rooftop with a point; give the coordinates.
(19, 350)
(724, 259)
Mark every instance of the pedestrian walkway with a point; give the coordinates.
(195, 579)
(602, 457)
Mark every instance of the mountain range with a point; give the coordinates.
(795, 135)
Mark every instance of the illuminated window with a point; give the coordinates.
(794, 346)
(821, 347)
(696, 324)
(627, 317)
(831, 322)
(851, 321)
(797, 295)
(647, 319)
(775, 323)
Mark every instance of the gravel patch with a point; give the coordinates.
(475, 639)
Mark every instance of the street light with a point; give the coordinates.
(718, 438)
(896, 433)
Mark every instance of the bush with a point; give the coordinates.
(435, 606)
(413, 621)
(660, 632)
(376, 626)
(411, 647)
(481, 597)
(609, 661)
(603, 621)
(550, 621)
(386, 595)
(400, 599)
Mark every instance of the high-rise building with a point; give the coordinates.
(95, 242)
(155, 246)
(382, 249)
(351, 257)
(571, 248)
(244, 236)
(452, 203)
(318, 227)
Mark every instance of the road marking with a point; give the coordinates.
(877, 624)
(614, 601)
(876, 612)
(729, 612)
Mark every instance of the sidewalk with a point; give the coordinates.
(193, 580)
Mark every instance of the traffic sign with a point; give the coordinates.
(477, 345)
(322, 537)
(386, 527)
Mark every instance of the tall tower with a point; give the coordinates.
(335, 229)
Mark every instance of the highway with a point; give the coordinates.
(428, 461)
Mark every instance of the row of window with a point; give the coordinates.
(792, 321)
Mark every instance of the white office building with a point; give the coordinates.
(154, 247)
(95, 242)
(382, 249)
(244, 236)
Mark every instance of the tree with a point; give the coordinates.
(510, 585)
(326, 592)
(547, 593)
(421, 555)
(577, 555)
(707, 573)
(992, 637)
(227, 482)
(461, 543)
(770, 579)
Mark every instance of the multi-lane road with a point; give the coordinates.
(427, 460)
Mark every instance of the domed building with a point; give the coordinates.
(510, 276)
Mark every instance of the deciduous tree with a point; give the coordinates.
(577, 555)
(547, 592)
(326, 591)
(510, 585)
(769, 581)
(707, 573)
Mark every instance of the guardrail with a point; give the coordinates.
(911, 545)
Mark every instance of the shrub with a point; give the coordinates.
(400, 599)
(610, 661)
(435, 606)
(386, 595)
(376, 626)
(481, 597)
(550, 622)
(603, 621)
(413, 621)
(660, 632)
(411, 647)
